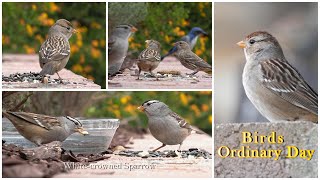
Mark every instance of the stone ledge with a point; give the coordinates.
(22, 63)
(303, 135)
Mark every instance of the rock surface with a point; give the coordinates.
(303, 135)
(14, 65)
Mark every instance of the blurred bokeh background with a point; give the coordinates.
(295, 25)
(194, 106)
(25, 26)
(165, 22)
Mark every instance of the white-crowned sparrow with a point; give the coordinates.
(189, 59)
(118, 46)
(165, 125)
(275, 88)
(54, 53)
(149, 58)
(42, 129)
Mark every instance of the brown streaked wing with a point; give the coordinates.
(285, 81)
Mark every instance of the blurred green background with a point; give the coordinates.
(165, 22)
(194, 106)
(25, 25)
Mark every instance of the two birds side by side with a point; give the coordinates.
(149, 61)
(164, 124)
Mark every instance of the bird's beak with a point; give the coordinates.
(134, 29)
(141, 108)
(81, 131)
(241, 44)
(74, 31)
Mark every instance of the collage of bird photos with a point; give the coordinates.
(175, 89)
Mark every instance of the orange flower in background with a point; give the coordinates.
(74, 48)
(30, 30)
(39, 38)
(102, 43)
(5, 39)
(95, 43)
(77, 68)
(204, 107)
(95, 53)
(82, 59)
(185, 23)
(195, 109)
(28, 49)
(54, 7)
(87, 69)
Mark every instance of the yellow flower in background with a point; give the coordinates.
(170, 22)
(102, 43)
(131, 38)
(195, 109)
(82, 59)
(95, 25)
(185, 23)
(74, 48)
(30, 30)
(117, 113)
(184, 99)
(95, 43)
(199, 52)
(167, 39)
(5, 39)
(204, 107)
(210, 119)
(125, 99)
(87, 69)
(54, 7)
(34, 7)
(95, 53)
(28, 49)
(39, 38)
(77, 68)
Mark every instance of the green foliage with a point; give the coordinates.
(165, 22)
(195, 107)
(25, 26)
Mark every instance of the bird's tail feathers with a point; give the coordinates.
(47, 69)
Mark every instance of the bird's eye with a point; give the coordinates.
(68, 28)
(148, 104)
(252, 41)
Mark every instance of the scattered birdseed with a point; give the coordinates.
(191, 153)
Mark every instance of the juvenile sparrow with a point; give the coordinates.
(191, 38)
(189, 59)
(275, 88)
(54, 53)
(165, 125)
(42, 129)
(118, 46)
(149, 58)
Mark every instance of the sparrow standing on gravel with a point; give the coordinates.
(118, 46)
(149, 58)
(189, 59)
(165, 125)
(274, 87)
(55, 51)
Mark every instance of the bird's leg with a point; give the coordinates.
(139, 74)
(180, 146)
(163, 145)
(191, 74)
(60, 78)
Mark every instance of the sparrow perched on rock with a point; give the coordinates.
(118, 46)
(189, 59)
(149, 58)
(165, 125)
(274, 87)
(191, 38)
(42, 129)
(54, 53)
